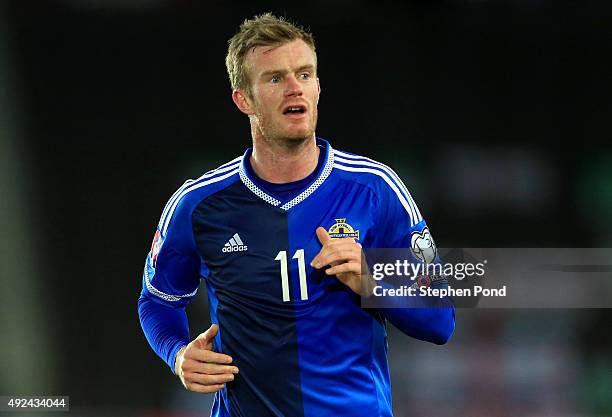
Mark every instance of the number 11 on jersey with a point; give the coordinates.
(282, 257)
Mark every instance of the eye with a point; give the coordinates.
(275, 79)
(304, 76)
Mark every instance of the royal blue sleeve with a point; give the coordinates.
(170, 280)
(166, 328)
(425, 318)
(401, 225)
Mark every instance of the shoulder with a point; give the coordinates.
(381, 178)
(194, 191)
(363, 169)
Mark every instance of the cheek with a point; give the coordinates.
(263, 96)
(314, 93)
(269, 101)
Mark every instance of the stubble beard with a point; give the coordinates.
(274, 135)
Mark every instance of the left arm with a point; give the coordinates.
(399, 224)
(426, 318)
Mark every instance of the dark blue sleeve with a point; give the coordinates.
(401, 225)
(170, 280)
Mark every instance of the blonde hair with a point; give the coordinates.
(262, 30)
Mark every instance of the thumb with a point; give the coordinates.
(205, 339)
(323, 235)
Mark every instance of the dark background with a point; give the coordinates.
(495, 113)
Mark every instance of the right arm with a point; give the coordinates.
(170, 280)
(199, 368)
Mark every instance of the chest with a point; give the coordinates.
(255, 251)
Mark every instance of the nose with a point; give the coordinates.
(293, 87)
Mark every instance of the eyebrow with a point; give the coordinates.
(300, 69)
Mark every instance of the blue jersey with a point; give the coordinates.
(302, 342)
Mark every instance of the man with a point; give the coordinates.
(277, 235)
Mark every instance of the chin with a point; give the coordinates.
(298, 139)
(289, 135)
(296, 136)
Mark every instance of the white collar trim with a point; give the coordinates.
(327, 168)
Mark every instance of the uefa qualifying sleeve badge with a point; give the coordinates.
(423, 246)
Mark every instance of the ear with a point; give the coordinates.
(242, 102)
(319, 87)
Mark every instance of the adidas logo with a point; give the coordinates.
(235, 244)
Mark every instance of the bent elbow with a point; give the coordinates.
(442, 337)
(443, 332)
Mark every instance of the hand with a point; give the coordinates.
(202, 370)
(344, 256)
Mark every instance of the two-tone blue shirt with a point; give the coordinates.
(302, 342)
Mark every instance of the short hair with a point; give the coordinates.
(262, 30)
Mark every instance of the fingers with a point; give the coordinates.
(211, 368)
(203, 355)
(205, 379)
(323, 235)
(203, 370)
(340, 251)
(204, 340)
(203, 389)
(352, 267)
(190, 365)
(337, 256)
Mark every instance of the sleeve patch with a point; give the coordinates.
(423, 245)
(155, 247)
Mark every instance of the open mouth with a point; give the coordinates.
(294, 110)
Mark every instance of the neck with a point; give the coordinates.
(280, 163)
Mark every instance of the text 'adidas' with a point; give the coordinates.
(235, 244)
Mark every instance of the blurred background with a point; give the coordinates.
(495, 113)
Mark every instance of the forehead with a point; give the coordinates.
(288, 56)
